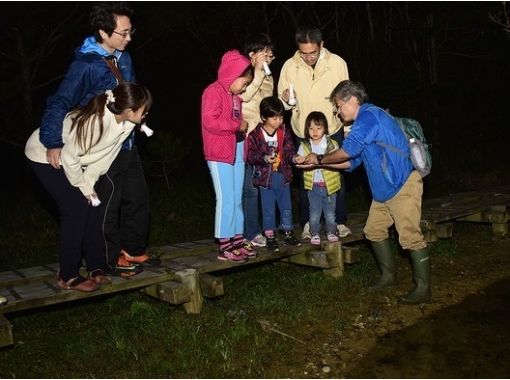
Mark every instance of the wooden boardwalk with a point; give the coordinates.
(184, 276)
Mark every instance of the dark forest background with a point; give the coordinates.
(445, 64)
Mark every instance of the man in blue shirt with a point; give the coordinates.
(100, 64)
(396, 187)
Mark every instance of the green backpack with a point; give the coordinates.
(420, 150)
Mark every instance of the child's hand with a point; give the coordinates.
(244, 126)
(299, 159)
(270, 158)
(260, 58)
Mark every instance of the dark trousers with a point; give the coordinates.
(124, 210)
(304, 204)
(80, 228)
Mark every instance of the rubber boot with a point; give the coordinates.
(421, 275)
(385, 257)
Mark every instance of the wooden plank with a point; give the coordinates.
(41, 294)
(6, 337)
(172, 292)
(211, 286)
(190, 278)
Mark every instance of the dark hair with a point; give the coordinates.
(127, 95)
(348, 88)
(104, 17)
(270, 107)
(248, 72)
(257, 42)
(318, 118)
(308, 34)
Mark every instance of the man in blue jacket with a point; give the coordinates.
(396, 187)
(99, 65)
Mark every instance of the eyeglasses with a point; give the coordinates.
(312, 55)
(338, 107)
(125, 33)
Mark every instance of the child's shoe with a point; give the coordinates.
(246, 248)
(290, 239)
(306, 232)
(315, 240)
(271, 244)
(231, 254)
(259, 241)
(332, 237)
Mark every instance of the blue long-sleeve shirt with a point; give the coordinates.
(387, 169)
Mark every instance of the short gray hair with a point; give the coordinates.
(347, 89)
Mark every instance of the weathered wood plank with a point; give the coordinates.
(211, 286)
(6, 337)
(173, 292)
(190, 278)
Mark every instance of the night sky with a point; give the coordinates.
(445, 64)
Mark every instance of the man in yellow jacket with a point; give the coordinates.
(306, 82)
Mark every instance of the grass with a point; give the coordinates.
(268, 324)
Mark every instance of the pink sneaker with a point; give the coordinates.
(332, 237)
(231, 254)
(246, 248)
(315, 240)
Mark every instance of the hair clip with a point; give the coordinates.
(109, 97)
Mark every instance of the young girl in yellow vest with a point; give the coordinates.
(321, 183)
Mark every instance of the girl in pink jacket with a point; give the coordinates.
(223, 130)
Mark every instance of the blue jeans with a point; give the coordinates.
(320, 203)
(278, 193)
(250, 205)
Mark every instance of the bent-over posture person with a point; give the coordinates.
(396, 187)
(92, 136)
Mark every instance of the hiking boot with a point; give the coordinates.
(306, 232)
(332, 237)
(231, 254)
(144, 259)
(315, 240)
(343, 230)
(259, 241)
(290, 239)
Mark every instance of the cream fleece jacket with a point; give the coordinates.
(83, 170)
(313, 88)
(261, 87)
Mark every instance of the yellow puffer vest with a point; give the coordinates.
(332, 177)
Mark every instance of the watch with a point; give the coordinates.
(319, 158)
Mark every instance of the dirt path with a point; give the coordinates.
(464, 332)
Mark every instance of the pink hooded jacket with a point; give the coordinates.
(219, 125)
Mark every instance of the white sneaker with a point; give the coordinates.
(259, 241)
(343, 230)
(306, 232)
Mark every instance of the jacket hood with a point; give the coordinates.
(90, 46)
(232, 65)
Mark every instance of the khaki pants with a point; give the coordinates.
(404, 209)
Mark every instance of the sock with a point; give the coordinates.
(269, 233)
(238, 239)
(225, 243)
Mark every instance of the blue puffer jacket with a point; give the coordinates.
(386, 169)
(87, 77)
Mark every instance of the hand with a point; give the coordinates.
(299, 159)
(269, 158)
(311, 159)
(244, 126)
(259, 59)
(53, 157)
(286, 95)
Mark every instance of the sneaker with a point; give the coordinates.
(231, 254)
(290, 239)
(125, 268)
(144, 259)
(246, 248)
(259, 241)
(315, 240)
(271, 244)
(332, 237)
(306, 232)
(343, 230)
